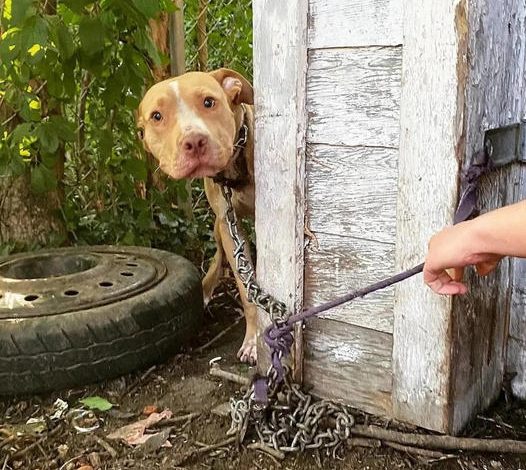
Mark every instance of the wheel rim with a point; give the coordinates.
(72, 279)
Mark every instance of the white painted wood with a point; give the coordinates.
(497, 38)
(430, 145)
(448, 358)
(351, 191)
(280, 63)
(341, 264)
(516, 360)
(349, 364)
(353, 96)
(350, 23)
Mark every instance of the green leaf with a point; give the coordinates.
(21, 131)
(136, 168)
(42, 179)
(20, 10)
(34, 32)
(148, 8)
(63, 128)
(91, 33)
(77, 5)
(96, 403)
(65, 43)
(47, 136)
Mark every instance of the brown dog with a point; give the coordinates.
(191, 125)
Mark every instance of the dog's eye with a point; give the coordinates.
(209, 102)
(140, 133)
(156, 116)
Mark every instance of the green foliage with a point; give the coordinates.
(71, 76)
(229, 34)
(96, 403)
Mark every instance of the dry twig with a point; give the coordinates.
(29, 448)
(277, 454)
(441, 442)
(200, 349)
(106, 446)
(216, 371)
(137, 382)
(204, 450)
(428, 454)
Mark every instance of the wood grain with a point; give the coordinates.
(280, 64)
(353, 96)
(349, 364)
(431, 126)
(341, 264)
(497, 38)
(351, 23)
(351, 191)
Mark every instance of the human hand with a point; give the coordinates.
(450, 251)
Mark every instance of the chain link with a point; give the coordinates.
(293, 420)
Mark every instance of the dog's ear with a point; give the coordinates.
(236, 87)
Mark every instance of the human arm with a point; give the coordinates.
(481, 242)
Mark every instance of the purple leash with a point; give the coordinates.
(279, 338)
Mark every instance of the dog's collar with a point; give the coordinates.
(236, 175)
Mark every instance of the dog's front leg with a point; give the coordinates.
(248, 351)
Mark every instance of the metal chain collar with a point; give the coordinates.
(292, 420)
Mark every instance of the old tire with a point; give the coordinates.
(50, 346)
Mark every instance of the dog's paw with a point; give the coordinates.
(248, 351)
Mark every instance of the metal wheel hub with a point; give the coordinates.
(71, 279)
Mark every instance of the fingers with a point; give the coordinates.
(443, 283)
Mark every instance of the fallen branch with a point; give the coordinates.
(203, 450)
(363, 442)
(428, 454)
(216, 371)
(277, 454)
(441, 442)
(176, 420)
(137, 382)
(106, 446)
(200, 349)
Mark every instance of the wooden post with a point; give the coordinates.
(495, 97)
(448, 355)
(202, 36)
(178, 67)
(280, 152)
(177, 49)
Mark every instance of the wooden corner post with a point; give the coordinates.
(280, 64)
(449, 355)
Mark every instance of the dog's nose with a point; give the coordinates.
(194, 143)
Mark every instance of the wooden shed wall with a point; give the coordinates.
(360, 140)
(353, 107)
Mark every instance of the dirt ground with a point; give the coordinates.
(184, 386)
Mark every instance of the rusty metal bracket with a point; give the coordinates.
(506, 144)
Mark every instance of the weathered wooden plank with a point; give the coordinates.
(280, 63)
(346, 23)
(351, 191)
(341, 264)
(497, 39)
(349, 364)
(430, 146)
(516, 358)
(353, 96)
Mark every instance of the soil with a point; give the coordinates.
(184, 386)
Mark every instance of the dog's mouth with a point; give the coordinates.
(205, 166)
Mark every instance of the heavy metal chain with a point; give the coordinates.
(292, 420)
(276, 309)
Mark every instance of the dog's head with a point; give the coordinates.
(188, 123)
